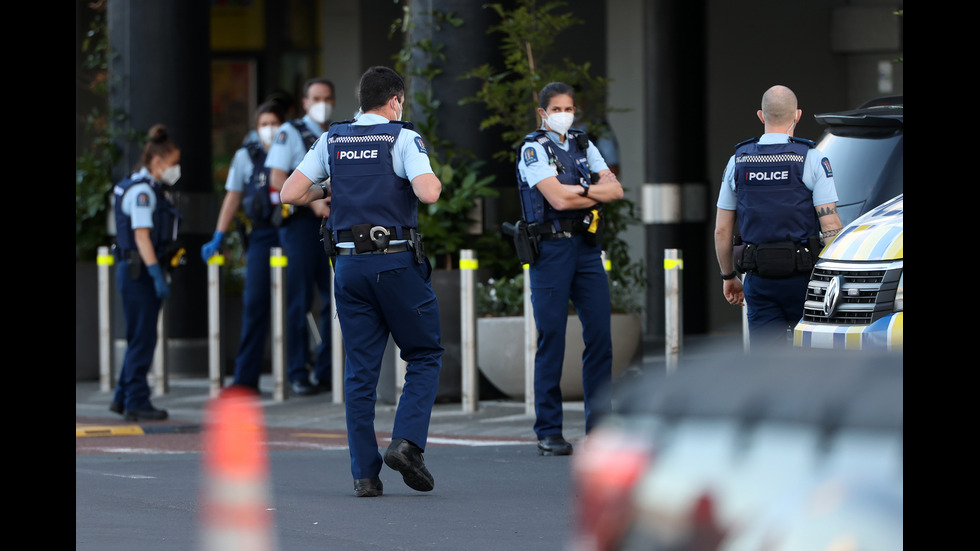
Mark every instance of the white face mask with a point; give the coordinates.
(560, 122)
(320, 112)
(171, 175)
(267, 134)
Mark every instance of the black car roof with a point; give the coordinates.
(879, 112)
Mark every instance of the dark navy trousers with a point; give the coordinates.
(141, 309)
(773, 305)
(256, 306)
(378, 295)
(570, 269)
(307, 270)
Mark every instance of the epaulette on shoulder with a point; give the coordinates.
(747, 142)
(334, 123)
(804, 141)
(405, 124)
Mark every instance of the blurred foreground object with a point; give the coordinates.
(797, 449)
(236, 496)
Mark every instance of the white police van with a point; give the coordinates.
(855, 299)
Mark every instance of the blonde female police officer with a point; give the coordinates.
(379, 170)
(248, 186)
(562, 205)
(146, 226)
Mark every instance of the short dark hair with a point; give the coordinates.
(318, 80)
(271, 107)
(551, 90)
(377, 86)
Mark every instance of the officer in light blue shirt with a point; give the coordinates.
(780, 192)
(307, 268)
(378, 170)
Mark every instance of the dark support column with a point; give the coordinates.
(675, 202)
(161, 73)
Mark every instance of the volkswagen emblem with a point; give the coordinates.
(832, 297)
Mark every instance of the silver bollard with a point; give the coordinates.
(161, 381)
(401, 367)
(745, 323)
(673, 269)
(530, 343)
(336, 350)
(467, 315)
(215, 368)
(277, 264)
(104, 260)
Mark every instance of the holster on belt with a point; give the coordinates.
(326, 237)
(134, 264)
(415, 239)
(525, 243)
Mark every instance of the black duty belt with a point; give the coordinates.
(396, 248)
(348, 235)
(546, 231)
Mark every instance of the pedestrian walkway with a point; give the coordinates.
(494, 419)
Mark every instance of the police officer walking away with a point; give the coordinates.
(561, 200)
(307, 269)
(780, 190)
(248, 186)
(375, 169)
(146, 227)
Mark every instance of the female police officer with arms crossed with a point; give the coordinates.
(146, 224)
(379, 170)
(558, 196)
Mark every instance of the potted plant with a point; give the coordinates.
(500, 311)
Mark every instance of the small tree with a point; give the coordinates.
(447, 224)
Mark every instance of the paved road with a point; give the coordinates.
(140, 486)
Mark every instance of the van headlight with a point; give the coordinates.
(900, 294)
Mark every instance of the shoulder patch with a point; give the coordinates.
(530, 156)
(312, 147)
(143, 199)
(281, 138)
(421, 145)
(825, 163)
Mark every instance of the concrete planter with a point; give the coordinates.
(500, 352)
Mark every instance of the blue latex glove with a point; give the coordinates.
(211, 247)
(159, 282)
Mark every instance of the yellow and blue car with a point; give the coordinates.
(855, 299)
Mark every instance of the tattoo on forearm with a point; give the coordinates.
(830, 233)
(826, 211)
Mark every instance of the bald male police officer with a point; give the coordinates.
(781, 191)
(379, 170)
(307, 269)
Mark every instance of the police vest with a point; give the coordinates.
(304, 131)
(364, 188)
(255, 199)
(773, 203)
(573, 167)
(165, 218)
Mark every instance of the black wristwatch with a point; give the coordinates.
(585, 189)
(732, 275)
(325, 191)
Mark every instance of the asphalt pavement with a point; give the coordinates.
(139, 485)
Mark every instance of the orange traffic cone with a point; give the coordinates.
(236, 512)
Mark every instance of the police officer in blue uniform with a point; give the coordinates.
(780, 190)
(307, 269)
(248, 186)
(146, 227)
(378, 169)
(563, 182)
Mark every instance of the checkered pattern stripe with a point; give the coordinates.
(781, 158)
(363, 139)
